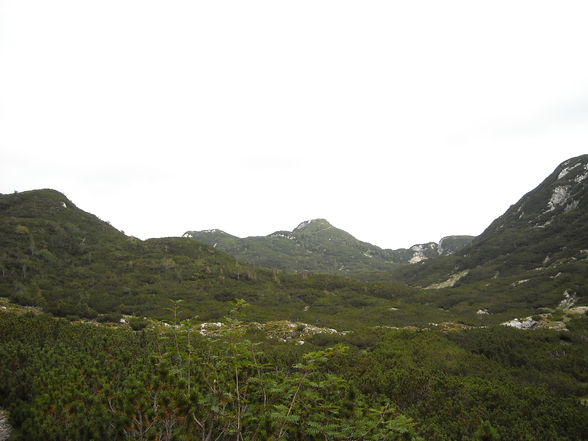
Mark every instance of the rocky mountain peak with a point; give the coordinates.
(212, 235)
(449, 245)
(312, 225)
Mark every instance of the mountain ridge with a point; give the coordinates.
(57, 256)
(534, 253)
(317, 245)
(164, 320)
(69, 263)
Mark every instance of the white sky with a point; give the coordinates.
(399, 122)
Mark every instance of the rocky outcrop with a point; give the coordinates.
(5, 427)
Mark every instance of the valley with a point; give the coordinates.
(309, 334)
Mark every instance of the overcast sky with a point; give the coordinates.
(399, 122)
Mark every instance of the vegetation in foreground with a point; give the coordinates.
(68, 380)
(454, 376)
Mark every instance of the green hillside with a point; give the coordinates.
(105, 336)
(316, 245)
(70, 263)
(530, 256)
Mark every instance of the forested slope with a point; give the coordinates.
(70, 263)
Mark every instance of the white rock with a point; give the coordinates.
(211, 325)
(566, 170)
(417, 258)
(418, 252)
(580, 178)
(568, 301)
(206, 327)
(5, 427)
(559, 196)
(571, 206)
(519, 282)
(482, 312)
(582, 310)
(449, 283)
(302, 225)
(526, 323)
(545, 224)
(285, 236)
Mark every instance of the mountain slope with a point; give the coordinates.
(316, 245)
(540, 243)
(87, 381)
(66, 261)
(547, 224)
(70, 262)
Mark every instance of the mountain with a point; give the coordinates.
(316, 245)
(257, 369)
(70, 262)
(66, 261)
(539, 243)
(546, 225)
(452, 244)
